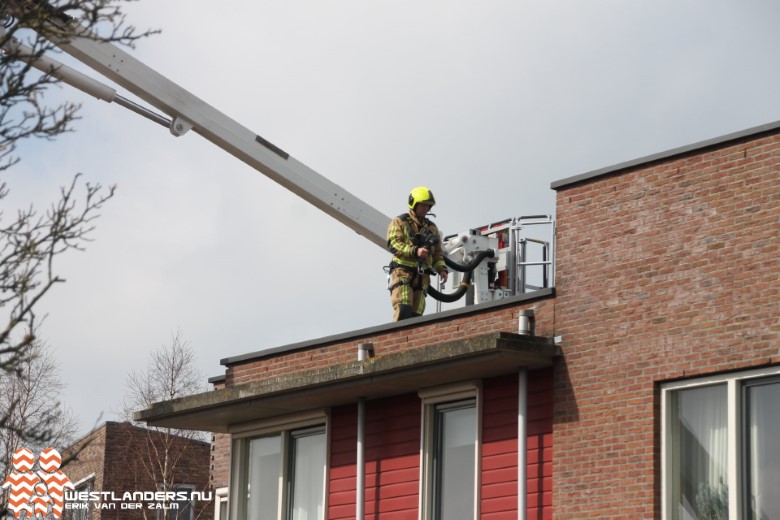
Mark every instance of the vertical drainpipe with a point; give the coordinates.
(364, 351)
(526, 325)
(522, 445)
(360, 484)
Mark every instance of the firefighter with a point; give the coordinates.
(415, 244)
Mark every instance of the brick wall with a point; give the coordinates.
(664, 271)
(221, 444)
(220, 460)
(86, 458)
(121, 457)
(134, 456)
(503, 319)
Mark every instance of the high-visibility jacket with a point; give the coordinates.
(402, 242)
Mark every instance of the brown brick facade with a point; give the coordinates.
(664, 271)
(219, 467)
(121, 455)
(220, 461)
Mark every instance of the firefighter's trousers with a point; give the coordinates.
(407, 294)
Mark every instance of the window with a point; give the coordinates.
(182, 507)
(721, 447)
(81, 510)
(307, 474)
(762, 449)
(280, 474)
(450, 453)
(700, 456)
(221, 504)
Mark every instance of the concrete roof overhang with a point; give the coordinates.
(477, 357)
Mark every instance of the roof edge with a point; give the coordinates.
(344, 336)
(490, 354)
(750, 132)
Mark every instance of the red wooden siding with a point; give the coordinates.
(499, 447)
(393, 453)
(341, 483)
(392, 460)
(540, 445)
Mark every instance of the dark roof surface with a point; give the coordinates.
(750, 132)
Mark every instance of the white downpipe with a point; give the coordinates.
(364, 351)
(522, 445)
(360, 484)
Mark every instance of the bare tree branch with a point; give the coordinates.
(29, 416)
(40, 25)
(31, 240)
(28, 247)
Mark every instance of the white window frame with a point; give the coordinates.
(86, 484)
(221, 497)
(241, 434)
(431, 397)
(734, 382)
(163, 513)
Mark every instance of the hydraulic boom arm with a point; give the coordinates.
(189, 112)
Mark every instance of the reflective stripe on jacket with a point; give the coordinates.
(400, 242)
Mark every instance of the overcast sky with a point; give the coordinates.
(486, 103)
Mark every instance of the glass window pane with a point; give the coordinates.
(181, 509)
(263, 474)
(308, 476)
(763, 450)
(454, 461)
(83, 511)
(699, 451)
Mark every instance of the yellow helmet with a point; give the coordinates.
(421, 194)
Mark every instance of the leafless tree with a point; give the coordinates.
(28, 403)
(31, 415)
(172, 373)
(30, 239)
(29, 245)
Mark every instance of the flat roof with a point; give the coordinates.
(750, 132)
(373, 331)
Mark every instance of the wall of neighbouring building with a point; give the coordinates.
(664, 270)
(124, 457)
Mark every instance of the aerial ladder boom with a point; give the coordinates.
(188, 112)
(494, 255)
